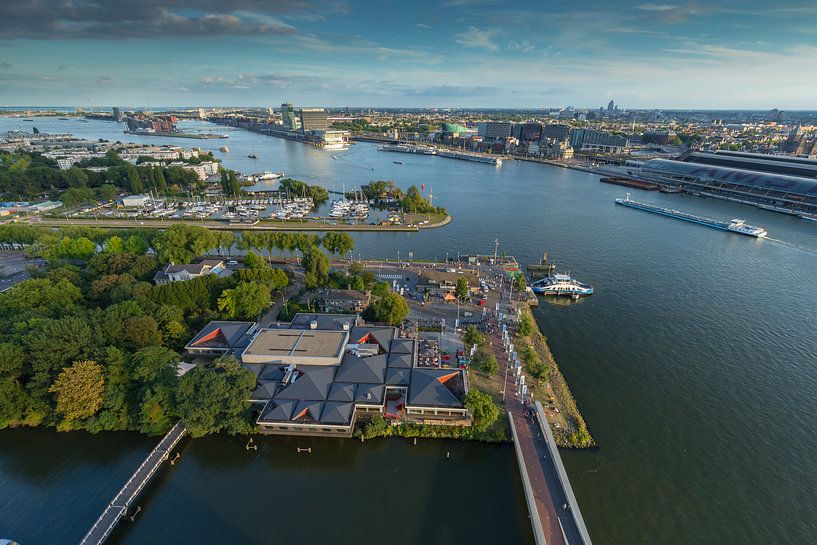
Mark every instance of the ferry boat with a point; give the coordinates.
(735, 226)
(561, 284)
(252, 156)
(808, 217)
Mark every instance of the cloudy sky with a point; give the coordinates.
(470, 53)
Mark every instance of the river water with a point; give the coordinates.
(694, 363)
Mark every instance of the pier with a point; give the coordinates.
(552, 506)
(118, 507)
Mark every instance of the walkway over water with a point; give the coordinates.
(553, 508)
(118, 507)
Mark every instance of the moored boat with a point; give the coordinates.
(561, 284)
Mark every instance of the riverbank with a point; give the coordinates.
(498, 432)
(263, 225)
(551, 388)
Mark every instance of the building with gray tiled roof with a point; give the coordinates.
(317, 374)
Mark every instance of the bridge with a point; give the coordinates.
(118, 507)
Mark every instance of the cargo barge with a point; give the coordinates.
(735, 226)
(628, 182)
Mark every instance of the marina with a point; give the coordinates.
(735, 226)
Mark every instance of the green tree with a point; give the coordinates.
(254, 261)
(461, 290)
(525, 325)
(115, 413)
(136, 245)
(473, 336)
(229, 183)
(519, 283)
(482, 408)
(154, 371)
(489, 363)
(210, 400)
(181, 243)
(143, 331)
(247, 300)
(225, 239)
(337, 243)
(114, 245)
(316, 268)
(391, 309)
(79, 391)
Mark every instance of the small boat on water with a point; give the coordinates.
(252, 156)
(397, 162)
(334, 157)
(561, 284)
(808, 217)
(224, 149)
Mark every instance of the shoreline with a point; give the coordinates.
(263, 225)
(576, 434)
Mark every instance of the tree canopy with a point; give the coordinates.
(391, 309)
(483, 409)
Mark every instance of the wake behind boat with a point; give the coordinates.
(561, 284)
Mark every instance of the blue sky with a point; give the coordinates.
(474, 53)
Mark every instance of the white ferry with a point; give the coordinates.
(561, 284)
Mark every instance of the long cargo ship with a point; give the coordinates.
(425, 150)
(735, 226)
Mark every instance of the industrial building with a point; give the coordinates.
(780, 192)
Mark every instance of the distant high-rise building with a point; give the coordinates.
(593, 140)
(313, 119)
(611, 106)
(116, 113)
(494, 130)
(289, 118)
(557, 132)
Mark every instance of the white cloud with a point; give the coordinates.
(476, 37)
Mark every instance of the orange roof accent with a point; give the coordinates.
(209, 337)
(301, 414)
(445, 378)
(368, 338)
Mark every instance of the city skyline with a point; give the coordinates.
(452, 54)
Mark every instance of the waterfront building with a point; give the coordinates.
(116, 113)
(188, 271)
(777, 191)
(494, 130)
(340, 301)
(557, 132)
(443, 283)
(135, 201)
(758, 162)
(313, 119)
(318, 374)
(288, 117)
(530, 131)
(600, 141)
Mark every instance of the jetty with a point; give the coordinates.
(118, 507)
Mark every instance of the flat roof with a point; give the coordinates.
(297, 343)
